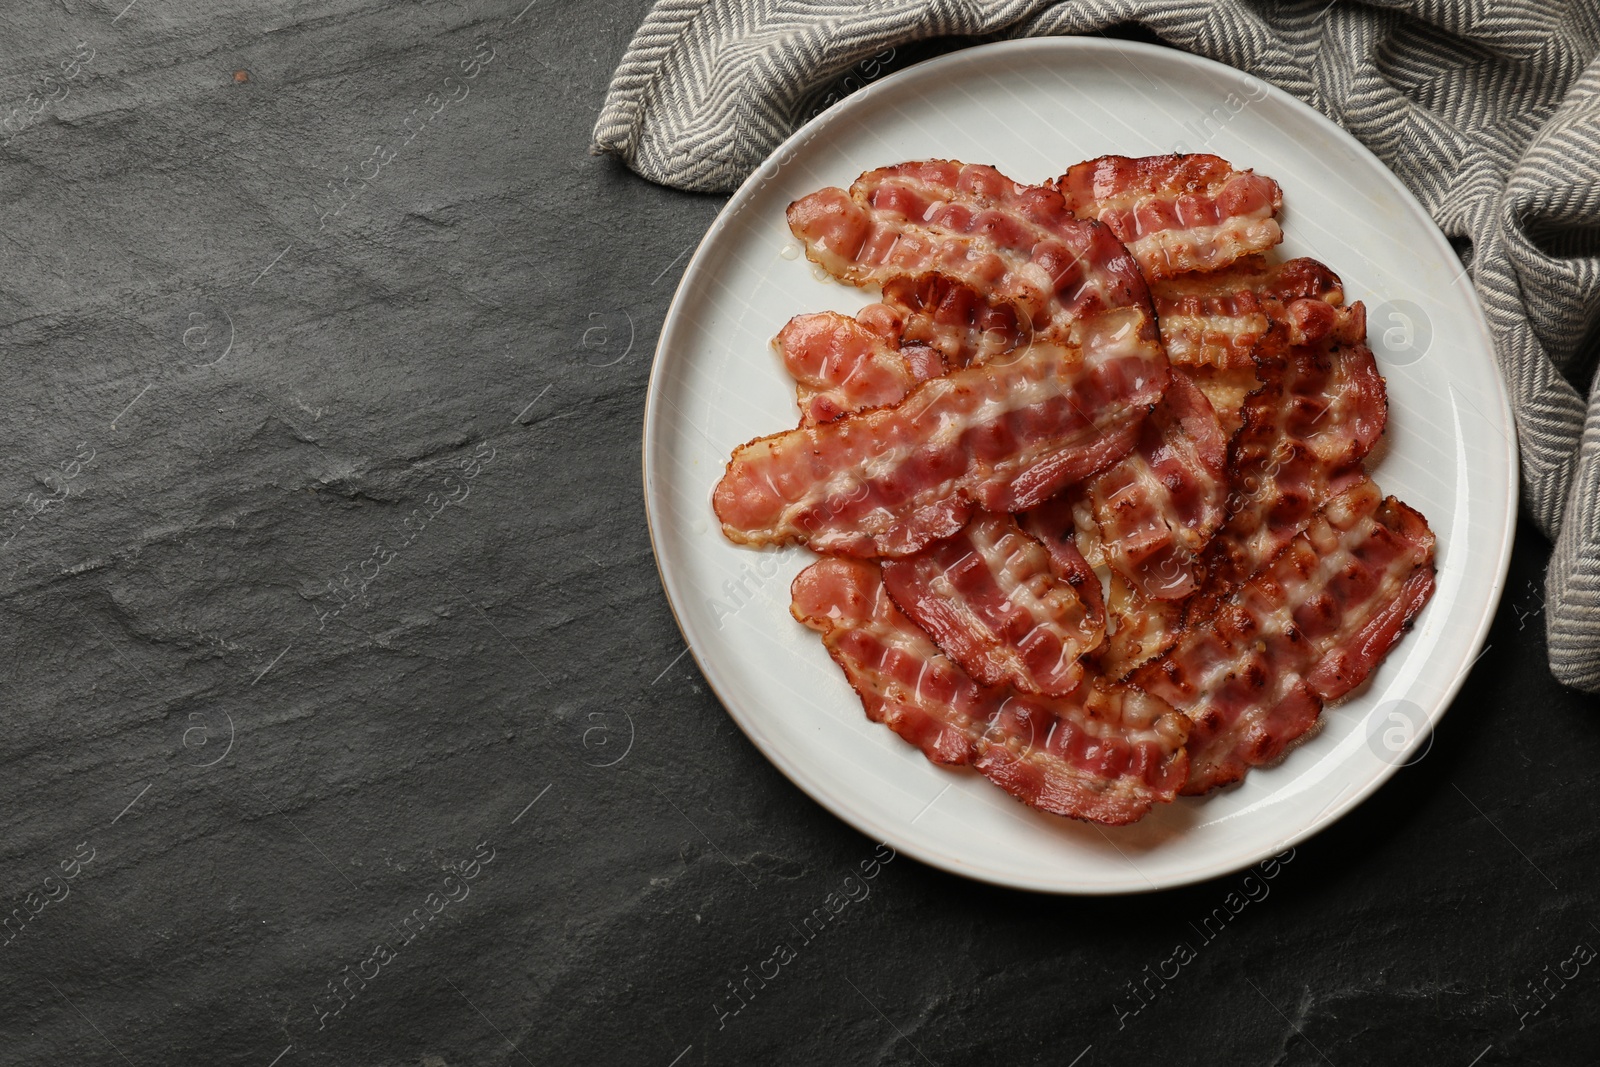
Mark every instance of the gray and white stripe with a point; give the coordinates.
(1489, 110)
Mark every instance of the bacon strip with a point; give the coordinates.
(1216, 319)
(1107, 754)
(1253, 676)
(1177, 213)
(1158, 507)
(842, 364)
(1304, 435)
(996, 602)
(1013, 244)
(1003, 437)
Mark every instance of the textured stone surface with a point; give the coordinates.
(270, 784)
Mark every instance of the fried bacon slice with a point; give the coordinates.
(1177, 213)
(1305, 432)
(1216, 319)
(1013, 244)
(1106, 754)
(1252, 677)
(1004, 437)
(843, 364)
(997, 602)
(1158, 507)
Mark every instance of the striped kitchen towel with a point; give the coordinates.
(1488, 109)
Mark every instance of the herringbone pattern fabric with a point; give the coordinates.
(1488, 109)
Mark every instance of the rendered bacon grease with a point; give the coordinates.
(1087, 479)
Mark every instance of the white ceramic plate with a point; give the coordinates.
(1032, 108)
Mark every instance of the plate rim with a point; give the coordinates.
(869, 823)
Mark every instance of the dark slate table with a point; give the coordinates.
(346, 722)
